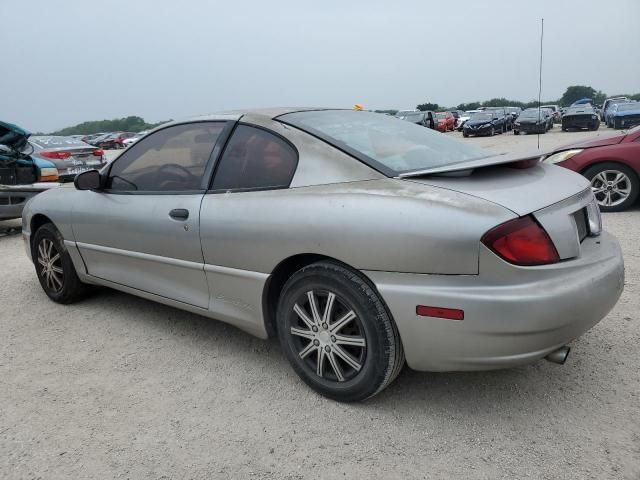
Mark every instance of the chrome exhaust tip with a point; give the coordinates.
(559, 356)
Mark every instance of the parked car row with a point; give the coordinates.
(110, 140)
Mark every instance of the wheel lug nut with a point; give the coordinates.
(314, 328)
(316, 342)
(327, 348)
(324, 325)
(333, 339)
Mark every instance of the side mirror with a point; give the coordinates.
(89, 180)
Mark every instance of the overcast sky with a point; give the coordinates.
(68, 61)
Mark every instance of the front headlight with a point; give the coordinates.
(595, 220)
(593, 117)
(561, 156)
(48, 174)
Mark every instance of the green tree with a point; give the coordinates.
(423, 107)
(576, 92)
(127, 124)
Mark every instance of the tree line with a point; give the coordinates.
(126, 124)
(573, 93)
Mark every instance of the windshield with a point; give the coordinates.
(482, 116)
(628, 106)
(531, 114)
(56, 142)
(441, 115)
(383, 142)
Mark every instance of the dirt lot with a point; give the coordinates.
(119, 387)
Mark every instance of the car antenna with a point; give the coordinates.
(540, 82)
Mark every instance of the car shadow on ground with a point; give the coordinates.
(462, 392)
(10, 227)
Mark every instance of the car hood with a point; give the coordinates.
(598, 142)
(13, 136)
(475, 123)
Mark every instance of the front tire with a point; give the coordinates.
(615, 186)
(337, 333)
(54, 266)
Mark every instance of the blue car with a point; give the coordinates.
(624, 115)
(21, 175)
(608, 104)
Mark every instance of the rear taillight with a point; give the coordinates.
(98, 153)
(55, 155)
(521, 241)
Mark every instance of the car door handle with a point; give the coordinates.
(179, 213)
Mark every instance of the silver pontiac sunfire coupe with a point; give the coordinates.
(357, 238)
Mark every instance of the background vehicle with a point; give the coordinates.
(426, 119)
(97, 138)
(484, 123)
(611, 164)
(446, 121)
(580, 116)
(556, 113)
(533, 120)
(462, 119)
(491, 272)
(502, 115)
(70, 156)
(608, 103)
(89, 138)
(21, 176)
(624, 115)
(131, 140)
(115, 140)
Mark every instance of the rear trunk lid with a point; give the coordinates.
(558, 198)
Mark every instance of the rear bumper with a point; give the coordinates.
(531, 128)
(512, 315)
(13, 198)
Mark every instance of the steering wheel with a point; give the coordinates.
(190, 177)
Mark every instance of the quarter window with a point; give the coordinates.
(255, 159)
(172, 159)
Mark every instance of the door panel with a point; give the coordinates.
(132, 240)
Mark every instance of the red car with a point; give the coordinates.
(611, 164)
(446, 121)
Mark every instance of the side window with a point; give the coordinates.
(172, 159)
(255, 159)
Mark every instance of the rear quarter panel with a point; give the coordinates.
(389, 225)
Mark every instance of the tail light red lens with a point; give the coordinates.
(98, 153)
(55, 155)
(521, 241)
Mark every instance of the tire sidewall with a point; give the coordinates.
(372, 317)
(50, 233)
(633, 178)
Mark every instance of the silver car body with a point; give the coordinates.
(416, 238)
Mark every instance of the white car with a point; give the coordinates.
(131, 140)
(463, 118)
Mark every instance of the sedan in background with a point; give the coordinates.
(462, 119)
(533, 120)
(131, 140)
(22, 176)
(608, 103)
(579, 117)
(555, 112)
(446, 121)
(425, 119)
(624, 115)
(70, 156)
(484, 123)
(379, 240)
(113, 141)
(611, 164)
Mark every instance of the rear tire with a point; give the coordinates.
(313, 336)
(627, 187)
(54, 266)
(465, 134)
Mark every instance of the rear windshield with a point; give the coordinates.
(57, 142)
(387, 144)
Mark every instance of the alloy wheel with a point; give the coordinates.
(328, 336)
(50, 264)
(611, 187)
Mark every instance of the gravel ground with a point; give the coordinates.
(120, 387)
